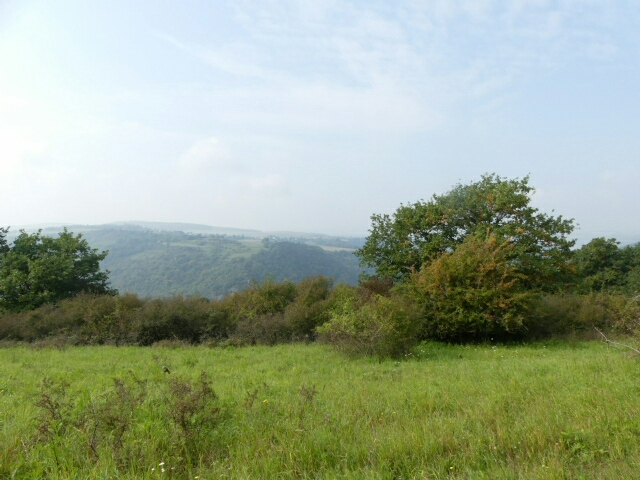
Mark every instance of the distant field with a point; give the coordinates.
(549, 411)
(336, 249)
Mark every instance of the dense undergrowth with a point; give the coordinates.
(373, 318)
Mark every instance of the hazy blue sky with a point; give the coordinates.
(313, 115)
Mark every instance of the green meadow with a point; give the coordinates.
(554, 410)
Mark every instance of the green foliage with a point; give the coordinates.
(262, 298)
(268, 329)
(417, 234)
(474, 292)
(257, 313)
(269, 312)
(377, 285)
(470, 294)
(630, 255)
(633, 280)
(37, 270)
(600, 265)
(382, 327)
(311, 307)
(175, 318)
(574, 314)
(4, 247)
(626, 314)
(570, 314)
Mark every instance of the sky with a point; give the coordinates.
(313, 115)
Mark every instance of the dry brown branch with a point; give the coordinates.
(615, 344)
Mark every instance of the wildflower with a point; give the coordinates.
(265, 401)
(161, 464)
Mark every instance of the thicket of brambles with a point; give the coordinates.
(477, 263)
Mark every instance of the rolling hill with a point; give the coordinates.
(154, 260)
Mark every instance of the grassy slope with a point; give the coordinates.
(538, 411)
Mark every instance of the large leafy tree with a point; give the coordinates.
(418, 234)
(37, 269)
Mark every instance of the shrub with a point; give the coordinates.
(176, 318)
(626, 314)
(218, 323)
(311, 307)
(383, 327)
(266, 298)
(102, 318)
(35, 324)
(376, 285)
(125, 321)
(83, 319)
(264, 330)
(471, 293)
(633, 281)
(568, 313)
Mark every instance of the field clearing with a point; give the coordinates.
(548, 410)
(336, 249)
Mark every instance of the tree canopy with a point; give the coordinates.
(417, 234)
(37, 269)
(4, 248)
(603, 266)
(474, 291)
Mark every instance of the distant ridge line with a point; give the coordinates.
(182, 227)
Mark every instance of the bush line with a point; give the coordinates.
(373, 318)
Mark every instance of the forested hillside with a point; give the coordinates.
(155, 263)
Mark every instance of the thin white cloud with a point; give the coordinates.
(226, 60)
(391, 70)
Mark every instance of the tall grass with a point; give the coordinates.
(544, 410)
